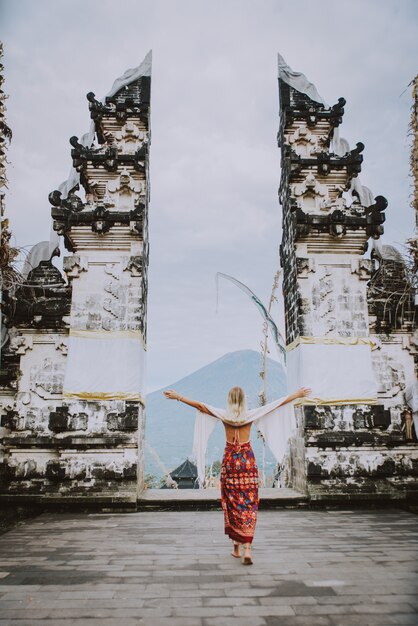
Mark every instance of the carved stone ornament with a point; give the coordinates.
(113, 269)
(362, 267)
(304, 266)
(130, 138)
(304, 142)
(122, 192)
(410, 343)
(62, 345)
(46, 379)
(311, 193)
(21, 343)
(101, 220)
(133, 265)
(390, 374)
(74, 265)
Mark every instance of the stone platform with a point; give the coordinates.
(313, 568)
(204, 499)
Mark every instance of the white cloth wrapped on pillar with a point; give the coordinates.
(105, 365)
(338, 370)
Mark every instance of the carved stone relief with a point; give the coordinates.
(74, 265)
(123, 191)
(47, 378)
(304, 142)
(390, 374)
(130, 138)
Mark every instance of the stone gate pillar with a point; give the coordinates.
(103, 392)
(349, 441)
(72, 404)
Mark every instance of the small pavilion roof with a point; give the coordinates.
(186, 470)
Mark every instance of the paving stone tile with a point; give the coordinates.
(193, 593)
(87, 593)
(287, 600)
(35, 614)
(86, 613)
(373, 620)
(258, 592)
(170, 621)
(300, 620)
(384, 609)
(235, 601)
(173, 602)
(207, 611)
(235, 621)
(261, 611)
(324, 609)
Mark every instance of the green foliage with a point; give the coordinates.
(216, 468)
(151, 482)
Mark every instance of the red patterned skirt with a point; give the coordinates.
(239, 491)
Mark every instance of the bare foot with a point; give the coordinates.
(247, 560)
(237, 550)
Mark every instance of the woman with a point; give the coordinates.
(239, 472)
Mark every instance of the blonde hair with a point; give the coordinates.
(236, 408)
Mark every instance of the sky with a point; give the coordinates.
(214, 163)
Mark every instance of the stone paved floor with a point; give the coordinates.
(174, 569)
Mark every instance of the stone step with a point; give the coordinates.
(204, 499)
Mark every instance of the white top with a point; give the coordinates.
(275, 421)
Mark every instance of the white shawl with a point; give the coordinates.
(275, 421)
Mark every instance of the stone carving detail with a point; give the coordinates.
(362, 267)
(358, 464)
(47, 378)
(337, 306)
(389, 373)
(62, 345)
(130, 138)
(78, 421)
(133, 265)
(74, 265)
(113, 269)
(122, 192)
(410, 343)
(310, 193)
(21, 343)
(76, 468)
(305, 266)
(23, 469)
(304, 142)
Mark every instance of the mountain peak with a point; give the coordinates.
(169, 425)
(240, 361)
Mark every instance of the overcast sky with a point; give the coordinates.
(215, 165)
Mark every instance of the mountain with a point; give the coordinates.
(170, 424)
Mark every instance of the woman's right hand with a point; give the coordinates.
(303, 392)
(171, 394)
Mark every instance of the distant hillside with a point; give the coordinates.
(170, 424)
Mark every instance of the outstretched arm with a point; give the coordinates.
(171, 394)
(300, 393)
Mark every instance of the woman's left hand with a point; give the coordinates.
(303, 392)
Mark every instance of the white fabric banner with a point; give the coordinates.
(298, 81)
(105, 365)
(339, 373)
